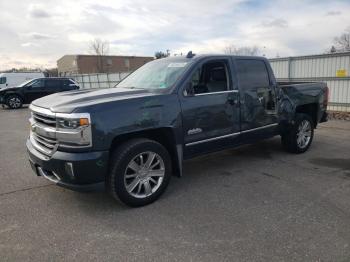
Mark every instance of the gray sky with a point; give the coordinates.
(37, 33)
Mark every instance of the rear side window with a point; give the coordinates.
(2, 80)
(53, 84)
(252, 73)
(69, 83)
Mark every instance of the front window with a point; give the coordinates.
(26, 82)
(211, 77)
(159, 74)
(38, 83)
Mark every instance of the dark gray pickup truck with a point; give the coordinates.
(131, 139)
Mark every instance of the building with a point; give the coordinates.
(88, 64)
(333, 69)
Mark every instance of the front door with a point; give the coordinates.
(210, 109)
(34, 90)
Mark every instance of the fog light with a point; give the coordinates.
(69, 169)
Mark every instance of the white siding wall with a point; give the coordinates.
(88, 81)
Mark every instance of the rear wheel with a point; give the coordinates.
(299, 137)
(140, 172)
(14, 101)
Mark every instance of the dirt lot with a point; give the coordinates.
(254, 203)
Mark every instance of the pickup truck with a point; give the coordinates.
(131, 139)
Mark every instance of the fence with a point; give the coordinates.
(330, 68)
(87, 81)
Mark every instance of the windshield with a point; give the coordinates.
(159, 74)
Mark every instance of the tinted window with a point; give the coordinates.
(211, 77)
(53, 84)
(252, 73)
(2, 80)
(37, 83)
(66, 83)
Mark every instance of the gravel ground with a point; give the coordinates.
(254, 203)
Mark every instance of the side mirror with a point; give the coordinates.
(189, 90)
(29, 87)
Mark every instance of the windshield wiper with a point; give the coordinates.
(134, 87)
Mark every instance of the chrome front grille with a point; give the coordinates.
(44, 119)
(43, 131)
(46, 146)
(46, 142)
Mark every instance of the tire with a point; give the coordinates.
(131, 167)
(299, 137)
(14, 101)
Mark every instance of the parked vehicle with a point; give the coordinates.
(28, 91)
(132, 138)
(15, 79)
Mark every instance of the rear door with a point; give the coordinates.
(210, 110)
(257, 95)
(53, 86)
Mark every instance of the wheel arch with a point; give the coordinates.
(309, 109)
(165, 136)
(13, 93)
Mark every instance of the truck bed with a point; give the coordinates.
(307, 88)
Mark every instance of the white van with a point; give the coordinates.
(15, 79)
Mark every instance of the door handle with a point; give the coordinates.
(232, 101)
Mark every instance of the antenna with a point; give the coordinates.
(190, 54)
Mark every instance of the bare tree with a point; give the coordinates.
(343, 42)
(245, 50)
(99, 48)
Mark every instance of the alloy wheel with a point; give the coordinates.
(304, 134)
(144, 174)
(14, 102)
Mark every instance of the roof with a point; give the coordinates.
(196, 57)
(57, 78)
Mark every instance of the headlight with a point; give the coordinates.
(73, 130)
(72, 123)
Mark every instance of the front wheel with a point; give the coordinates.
(299, 137)
(140, 172)
(14, 101)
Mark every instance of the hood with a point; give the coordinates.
(5, 89)
(67, 102)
